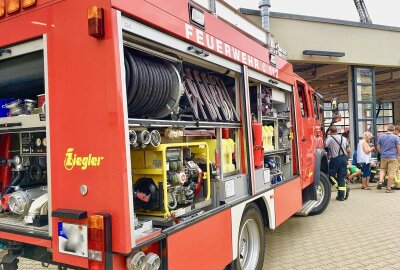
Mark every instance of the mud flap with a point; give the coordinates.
(10, 260)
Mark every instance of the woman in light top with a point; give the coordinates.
(364, 158)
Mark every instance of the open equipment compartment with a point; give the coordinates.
(273, 133)
(184, 135)
(23, 142)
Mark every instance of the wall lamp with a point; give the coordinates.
(323, 53)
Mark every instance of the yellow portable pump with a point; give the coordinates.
(172, 179)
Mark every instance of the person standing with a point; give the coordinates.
(389, 147)
(364, 158)
(339, 148)
(397, 176)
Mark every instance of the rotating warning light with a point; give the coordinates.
(196, 16)
(96, 22)
(28, 3)
(13, 6)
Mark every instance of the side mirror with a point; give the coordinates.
(334, 104)
(321, 109)
(335, 111)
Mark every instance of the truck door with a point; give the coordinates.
(318, 119)
(305, 131)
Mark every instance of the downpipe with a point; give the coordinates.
(265, 6)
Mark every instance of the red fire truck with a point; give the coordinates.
(150, 134)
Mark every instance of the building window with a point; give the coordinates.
(385, 117)
(341, 126)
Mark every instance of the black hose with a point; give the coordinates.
(132, 71)
(145, 104)
(156, 88)
(160, 85)
(127, 74)
(16, 182)
(150, 85)
(136, 89)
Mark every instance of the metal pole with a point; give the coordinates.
(213, 6)
(264, 6)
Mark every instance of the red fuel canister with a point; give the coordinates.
(258, 145)
(5, 151)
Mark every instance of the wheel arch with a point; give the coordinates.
(262, 205)
(265, 203)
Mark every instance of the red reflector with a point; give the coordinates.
(99, 226)
(96, 234)
(96, 22)
(13, 6)
(28, 3)
(2, 8)
(95, 265)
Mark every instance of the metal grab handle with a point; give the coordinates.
(3, 51)
(18, 101)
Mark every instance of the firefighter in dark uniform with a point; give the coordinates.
(339, 148)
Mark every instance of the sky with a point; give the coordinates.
(385, 12)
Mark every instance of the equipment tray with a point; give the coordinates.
(13, 124)
(13, 223)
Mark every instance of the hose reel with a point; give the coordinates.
(154, 87)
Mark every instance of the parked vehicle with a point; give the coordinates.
(150, 134)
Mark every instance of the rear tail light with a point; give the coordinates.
(2, 8)
(99, 231)
(13, 6)
(28, 3)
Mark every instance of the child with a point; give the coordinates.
(352, 171)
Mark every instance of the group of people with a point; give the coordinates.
(388, 147)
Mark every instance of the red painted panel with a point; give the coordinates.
(26, 239)
(206, 245)
(5, 151)
(86, 112)
(173, 17)
(39, 4)
(287, 201)
(119, 262)
(306, 133)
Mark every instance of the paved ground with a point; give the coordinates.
(361, 233)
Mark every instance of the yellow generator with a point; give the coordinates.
(171, 180)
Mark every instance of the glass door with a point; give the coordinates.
(364, 101)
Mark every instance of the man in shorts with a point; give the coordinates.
(389, 147)
(397, 177)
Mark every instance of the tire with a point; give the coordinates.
(323, 194)
(252, 229)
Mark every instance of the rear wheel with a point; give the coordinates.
(251, 242)
(323, 195)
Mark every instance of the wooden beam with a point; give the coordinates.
(330, 70)
(388, 76)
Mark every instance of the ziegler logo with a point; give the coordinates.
(72, 160)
